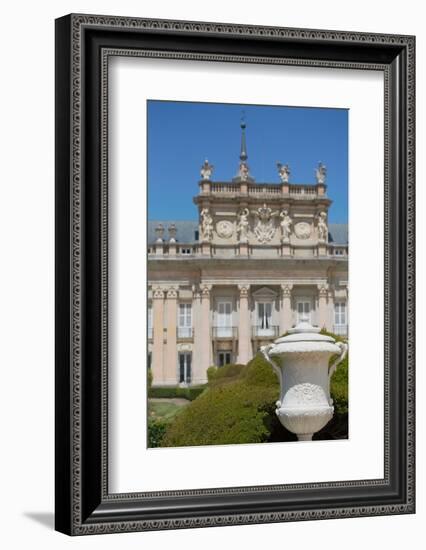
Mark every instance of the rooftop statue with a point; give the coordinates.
(206, 170)
(243, 171)
(284, 172)
(321, 173)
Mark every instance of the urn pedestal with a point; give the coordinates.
(300, 360)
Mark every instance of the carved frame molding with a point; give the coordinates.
(84, 43)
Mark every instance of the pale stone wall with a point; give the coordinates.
(321, 287)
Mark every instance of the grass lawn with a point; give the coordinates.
(165, 409)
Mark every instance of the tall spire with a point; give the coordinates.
(243, 173)
(243, 154)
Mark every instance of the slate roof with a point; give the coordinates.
(187, 231)
(338, 233)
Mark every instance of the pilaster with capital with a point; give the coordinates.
(170, 364)
(286, 314)
(205, 341)
(158, 334)
(244, 336)
(199, 376)
(323, 318)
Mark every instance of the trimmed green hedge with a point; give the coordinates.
(224, 375)
(189, 393)
(234, 409)
(156, 431)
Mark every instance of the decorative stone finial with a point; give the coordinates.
(172, 233)
(159, 232)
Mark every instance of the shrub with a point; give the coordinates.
(234, 409)
(170, 392)
(225, 374)
(211, 373)
(149, 378)
(156, 431)
(259, 372)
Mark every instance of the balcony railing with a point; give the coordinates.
(300, 191)
(224, 333)
(185, 333)
(262, 332)
(264, 190)
(341, 330)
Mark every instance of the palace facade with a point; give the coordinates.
(261, 258)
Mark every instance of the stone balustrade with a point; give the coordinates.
(263, 190)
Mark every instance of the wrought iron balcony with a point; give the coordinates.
(224, 333)
(265, 333)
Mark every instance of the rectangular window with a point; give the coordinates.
(264, 318)
(340, 313)
(304, 311)
(224, 319)
(185, 367)
(224, 358)
(185, 321)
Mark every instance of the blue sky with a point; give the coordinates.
(181, 135)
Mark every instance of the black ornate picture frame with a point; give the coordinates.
(84, 44)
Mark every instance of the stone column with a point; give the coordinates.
(205, 339)
(330, 310)
(322, 306)
(285, 310)
(158, 336)
(170, 363)
(244, 326)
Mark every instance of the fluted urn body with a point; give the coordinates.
(301, 361)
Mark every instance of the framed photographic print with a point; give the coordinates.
(219, 189)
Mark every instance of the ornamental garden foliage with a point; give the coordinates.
(238, 406)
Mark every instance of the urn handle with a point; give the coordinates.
(343, 351)
(264, 350)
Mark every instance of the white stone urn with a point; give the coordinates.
(300, 360)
